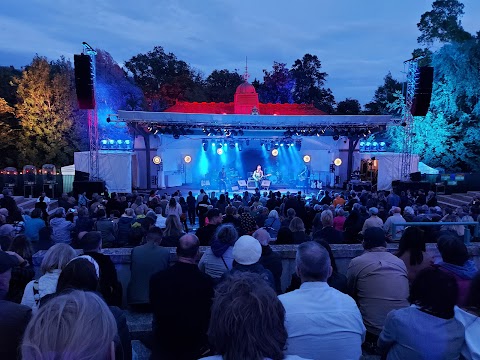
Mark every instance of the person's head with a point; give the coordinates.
(248, 319)
(92, 241)
(154, 235)
(187, 247)
(214, 216)
(229, 210)
(226, 234)
(7, 262)
(296, 224)
(205, 198)
(262, 236)
(435, 292)
(412, 240)
(291, 212)
(247, 222)
(129, 212)
(74, 325)
(57, 257)
(22, 246)
(313, 262)
(247, 250)
(172, 203)
(79, 274)
(139, 200)
(326, 218)
(408, 210)
(173, 226)
(259, 168)
(374, 237)
(340, 212)
(452, 249)
(273, 214)
(373, 211)
(59, 212)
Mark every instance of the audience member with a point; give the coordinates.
(106, 228)
(181, 297)
(33, 224)
(455, 261)
(272, 224)
(378, 281)
(284, 236)
(218, 259)
(61, 227)
(55, 259)
(297, 227)
(110, 287)
(290, 215)
(23, 273)
(205, 233)
(322, 323)
(173, 231)
(339, 219)
(76, 325)
(202, 209)
(328, 233)
(411, 249)
(373, 220)
(270, 259)
(428, 329)
(469, 316)
(147, 260)
(124, 226)
(396, 218)
(248, 321)
(14, 317)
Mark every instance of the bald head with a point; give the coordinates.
(188, 246)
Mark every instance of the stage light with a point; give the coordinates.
(362, 145)
(119, 142)
(298, 145)
(187, 159)
(111, 142)
(368, 146)
(225, 144)
(383, 146)
(274, 152)
(306, 158)
(219, 145)
(375, 146)
(205, 145)
(232, 145)
(213, 145)
(268, 146)
(127, 142)
(240, 147)
(236, 144)
(104, 142)
(337, 161)
(219, 151)
(247, 141)
(157, 160)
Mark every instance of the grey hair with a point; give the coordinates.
(226, 234)
(313, 261)
(296, 225)
(273, 214)
(327, 218)
(57, 257)
(129, 212)
(75, 325)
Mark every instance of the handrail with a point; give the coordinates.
(466, 236)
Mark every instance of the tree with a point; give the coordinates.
(384, 95)
(45, 109)
(7, 129)
(277, 85)
(349, 107)
(309, 81)
(7, 86)
(443, 23)
(163, 78)
(220, 85)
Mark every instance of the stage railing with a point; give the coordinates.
(466, 236)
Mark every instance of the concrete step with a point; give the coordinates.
(474, 193)
(453, 201)
(465, 197)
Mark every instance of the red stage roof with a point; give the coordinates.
(228, 108)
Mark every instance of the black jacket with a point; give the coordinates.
(15, 318)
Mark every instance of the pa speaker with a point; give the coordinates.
(423, 91)
(416, 176)
(90, 187)
(84, 81)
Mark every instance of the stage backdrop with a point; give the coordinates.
(115, 168)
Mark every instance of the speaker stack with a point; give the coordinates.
(423, 91)
(84, 81)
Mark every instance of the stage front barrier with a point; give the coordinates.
(466, 236)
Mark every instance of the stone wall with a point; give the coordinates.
(343, 254)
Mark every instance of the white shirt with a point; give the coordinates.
(47, 284)
(471, 346)
(322, 323)
(46, 200)
(394, 219)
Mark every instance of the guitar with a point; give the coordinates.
(258, 177)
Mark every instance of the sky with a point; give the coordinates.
(358, 42)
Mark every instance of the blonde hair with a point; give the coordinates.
(296, 225)
(75, 325)
(173, 226)
(57, 257)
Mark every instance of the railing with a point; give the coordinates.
(466, 236)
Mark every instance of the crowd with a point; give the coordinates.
(229, 302)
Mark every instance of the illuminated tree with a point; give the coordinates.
(384, 95)
(220, 85)
(277, 85)
(349, 107)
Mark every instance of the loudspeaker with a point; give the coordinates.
(242, 183)
(416, 176)
(81, 176)
(423, 91)
(266, 183)
(89, 186)
(84, 81)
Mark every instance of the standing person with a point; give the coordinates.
(201, 210)
(192, 203)
(173, 208)
(176, 317)
(222, 180)
(183, 216)
(258, 176)
(205, 234)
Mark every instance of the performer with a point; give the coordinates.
(304, 177)
(222, 180)
(258, 176)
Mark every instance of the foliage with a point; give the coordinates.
(45, 109)
(8, 125)
(384, 95)
(349, 107)
(220, 85)
(443, 23)
(162, 77)
(7, 86)
(277, 85)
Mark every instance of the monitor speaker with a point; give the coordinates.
(423, 92)
(84, 80)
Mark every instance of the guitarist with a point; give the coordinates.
(258, 176)
(222, 180)
(304, 177)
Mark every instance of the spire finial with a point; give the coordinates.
(246, 75)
